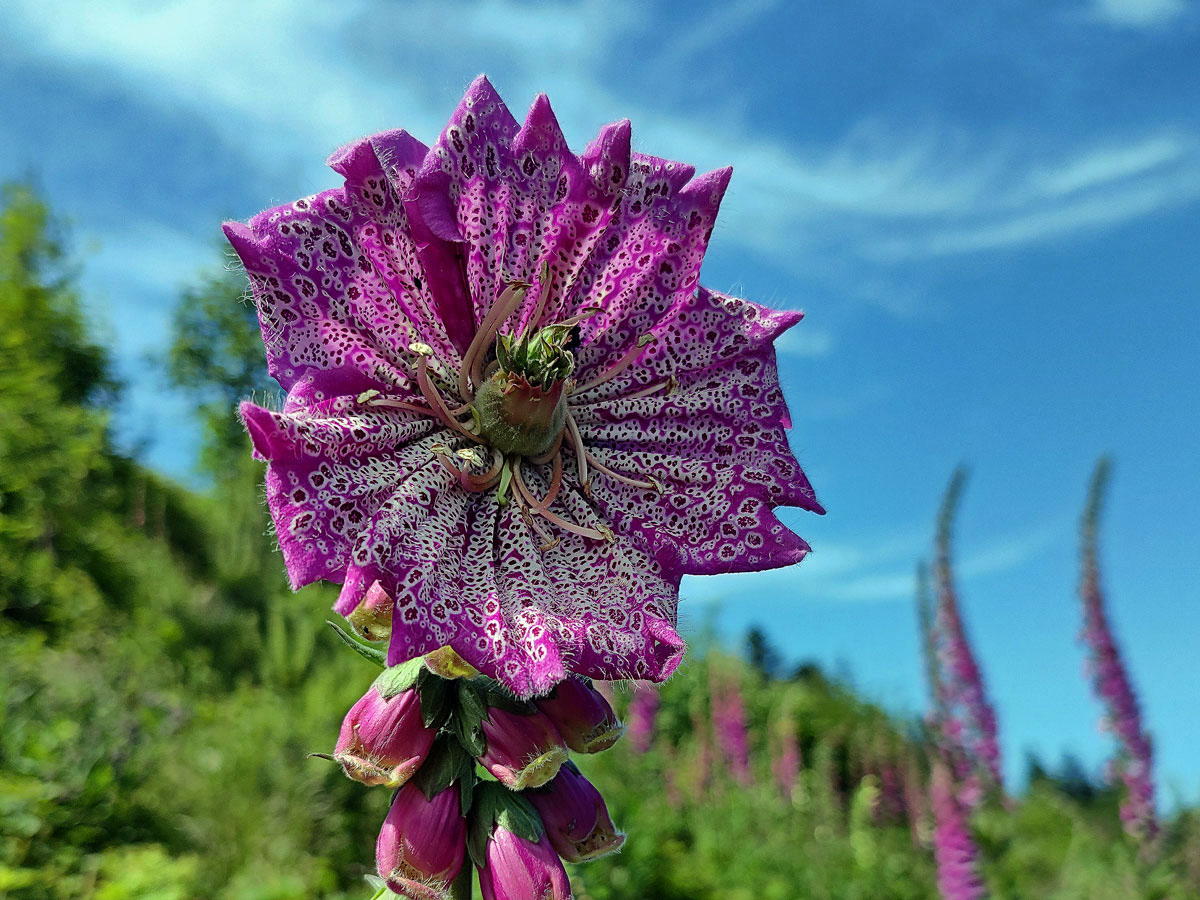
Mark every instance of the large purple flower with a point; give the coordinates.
(509, 401)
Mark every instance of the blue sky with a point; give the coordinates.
(991, 214)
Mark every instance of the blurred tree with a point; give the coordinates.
(761, 653)
(217, 355)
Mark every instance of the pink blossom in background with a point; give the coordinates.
(729, 727)
(643, 710)
(1123, 718)
(511, 407)
(785, 762)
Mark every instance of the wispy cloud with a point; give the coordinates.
(880, 196)
(881, 571)
(1138, 13)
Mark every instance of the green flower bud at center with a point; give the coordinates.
(518, 418)
(522, 408)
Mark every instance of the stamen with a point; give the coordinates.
(548, 542)
(652, 484)
(604, 535)
(527, 492)
(437, 403)
(587, 313)
(619, 366)
(470, 482)
(469, 377)
(670, 384)
(580, 453)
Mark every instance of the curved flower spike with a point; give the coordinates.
(510, 404)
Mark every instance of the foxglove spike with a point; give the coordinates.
(1135, 762)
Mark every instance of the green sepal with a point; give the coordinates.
(436, 697)
(497, 695)
(446, 763)
(468, 716)
(466, 789)
(398, 679)
(381, 888)
(374, 654)
(505, 478)
(495, 805)
(503, 353)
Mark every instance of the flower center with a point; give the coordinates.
(522, 408)
(519, 418)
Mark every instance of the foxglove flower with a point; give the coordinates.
(520, 869)
(523, 750)
(582, 716)
(422, 843)
(1135, 763)
(383, 740)
(576, 817)
(509, 402)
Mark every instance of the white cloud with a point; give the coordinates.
(879, 571)
(285, 84)
(1138, 13)
(806, 342)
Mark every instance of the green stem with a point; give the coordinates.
(461, 889)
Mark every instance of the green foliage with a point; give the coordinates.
(160, 687)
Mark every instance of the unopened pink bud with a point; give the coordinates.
(421, 844)
(372, 619)
(582, 716)
(523, 751)
(383, 741)
(576, 818)
(518, 869)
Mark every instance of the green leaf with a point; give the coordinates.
(518, 816)
(468, 714)
(436, 697)
(447, 763)
(466, 788)
(398, 679)
(374, 654)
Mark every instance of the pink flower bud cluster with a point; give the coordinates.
(1135, 762)
(390, 734)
